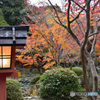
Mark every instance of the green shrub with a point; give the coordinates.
(13, 90)
(81, 81)
(34, 90)
(78, 70)
(99, 87)
(35, 79)
(57, 83)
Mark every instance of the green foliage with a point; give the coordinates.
(99, 87)
(2, 21)
(11, 10)
(35, 79)
(81, 81)
(13, 90)
(78, 70)
(34, 90)
(57, 83)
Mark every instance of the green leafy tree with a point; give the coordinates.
(2, 20)
(11, 10)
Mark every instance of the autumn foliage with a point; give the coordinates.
(50, 44)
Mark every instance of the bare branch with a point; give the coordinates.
(82, 24)
(95, 37)
(69, 29)
(76, 16)
(59, 22)
(45, 38)
(55, 11)
(83, 8)
(93, 44)
(98, 20)
(81, 11)
(68, 12)
(97, 31)
(77, 21)
(87, 23)
(94, 33)
(95, 5)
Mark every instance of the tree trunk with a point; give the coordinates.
(84, 71)
(94, 74)
(93, 70)
(92, 67)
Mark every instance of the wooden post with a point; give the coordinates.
(3, 75)
(2, 87)
(13, 57)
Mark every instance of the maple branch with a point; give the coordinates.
(79, 5)
(95, 37)
(30, 53)
(97, 31)
(87, 23)
(72, 62)
(80, 12)
(82, 24)
(98, 20)
(55, 12)
(59, 22)
(77, 15)
(69, 29)
(93, 44)
(68, 12)
(95, 5)
(44, 37)
(94, 33)
(78, 22)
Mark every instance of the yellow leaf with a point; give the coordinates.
(64, 46)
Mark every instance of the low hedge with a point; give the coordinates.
(78, 70)
(13, 90)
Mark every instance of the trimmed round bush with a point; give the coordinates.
(13, 90)
(78, 70)
(57, 83)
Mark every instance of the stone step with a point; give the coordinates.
(98, 98)
(32, 98)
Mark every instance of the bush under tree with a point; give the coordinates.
(57, 83)
(78, 70)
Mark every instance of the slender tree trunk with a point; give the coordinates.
(92, 67)
(85, 73)
(94, 74)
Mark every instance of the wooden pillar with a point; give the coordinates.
(2, 87)
(13, 57)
